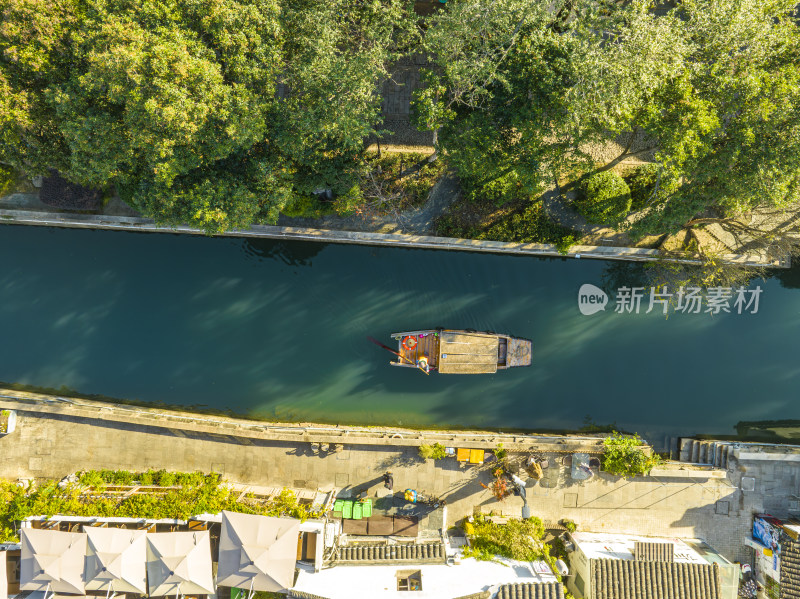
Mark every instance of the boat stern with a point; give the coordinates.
(519, 352)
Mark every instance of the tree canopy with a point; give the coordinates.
(220, 114)
(711, 85)
(204, 111)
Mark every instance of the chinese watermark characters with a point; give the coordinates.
(688, 300)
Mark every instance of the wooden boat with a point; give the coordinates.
(460, 352)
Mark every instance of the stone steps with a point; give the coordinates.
(706, 452)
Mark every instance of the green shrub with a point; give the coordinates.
(432, 452)
(529, 225)
(92, 478)
(305, 205)
(8, 177)
(203, 493)
(347, 203)
(569, 525)
(607, 198)
(623, 456)
(500, 453)
(564, 244)
(642, 181)
(517, 539)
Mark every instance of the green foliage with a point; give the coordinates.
(528, 225)
(564, 244)
(494, 97)
(161, 478)
(569, 525)
(198, 493)
(8, 177)
(641, 182)
(306, 205)
(623, 456)
(607, 198)
(712, 88)
(517, 539)
(391, 183)
(179, 104)
(500, 453)
(432, 452)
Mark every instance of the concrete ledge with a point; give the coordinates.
(127, 223)
(685, 471)
(98, 411)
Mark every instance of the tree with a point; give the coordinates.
(337, 54)
(200, 112)
(711, 88)
(494, 93)
(713, 85)
(608, 198)
(624, 456)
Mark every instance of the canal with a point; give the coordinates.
(278, 330)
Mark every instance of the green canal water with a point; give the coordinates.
(279, 330)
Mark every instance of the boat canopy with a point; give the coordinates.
(467, 353)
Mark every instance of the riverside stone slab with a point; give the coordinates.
(127, 223)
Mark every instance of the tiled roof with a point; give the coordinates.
(302, 595)
(790, 570)
(531, 590)
(654, 552)
(417, 552)
(479, 595)
(625, 579)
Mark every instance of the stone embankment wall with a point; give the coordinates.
(97, 411)
(123, 223)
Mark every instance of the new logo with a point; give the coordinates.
(591, 299)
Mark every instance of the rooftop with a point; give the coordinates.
(437, 581)
(596, 545)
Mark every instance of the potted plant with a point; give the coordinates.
(8, 421)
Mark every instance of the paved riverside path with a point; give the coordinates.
(688, 503)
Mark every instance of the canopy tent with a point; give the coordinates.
(3, 575)
(179, 563)
(52, 560)
(257, 552)
(115, 560)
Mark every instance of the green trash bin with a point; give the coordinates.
(366, 508)
(357, 510)
(337, 506)
(347, 509)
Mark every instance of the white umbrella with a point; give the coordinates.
(3, 576)
(179, 563)
(52, 560)
(258, 553)
(115, 560)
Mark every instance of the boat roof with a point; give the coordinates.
(467, 353)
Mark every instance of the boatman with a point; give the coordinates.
(422, 364)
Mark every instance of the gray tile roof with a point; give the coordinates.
(479, 595)
(654, 552)
(302, 595)
(790, 570)
(626, 579)
(404, 553)
(531, 590)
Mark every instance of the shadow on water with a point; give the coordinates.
(291, 253)
(788, 277)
